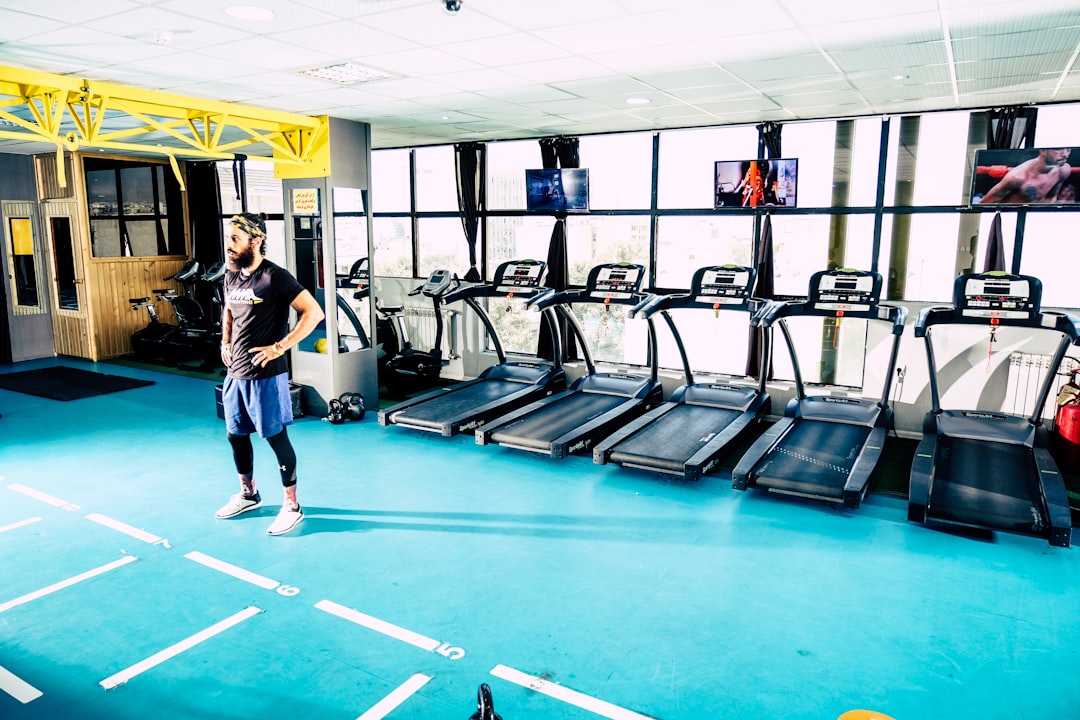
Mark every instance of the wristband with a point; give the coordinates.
(278, 351)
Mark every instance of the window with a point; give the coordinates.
(393, 247)
(436, 180)
(595, 239)
(685, 243)
(23, 263)
(1048, 254)
(506, 166)
(390, 185)
(136, 209)
(441, 245)
(687, 160)
(264, 194)
(620, 170)
(67, 290)
(517, 238)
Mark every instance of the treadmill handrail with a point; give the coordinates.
(1062, 322)
(584, 295)
(531, 303)
(895, 314)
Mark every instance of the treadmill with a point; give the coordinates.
(690, 434)
(505, 386)
(597, 403)
(986, 469)
(825, 446)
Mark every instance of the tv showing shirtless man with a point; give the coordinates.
(1021, 177)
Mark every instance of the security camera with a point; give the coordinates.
(452, 6)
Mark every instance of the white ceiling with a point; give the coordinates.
(503, 69)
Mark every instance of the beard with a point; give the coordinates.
(239, 261)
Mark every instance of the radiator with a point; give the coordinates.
(1027, 372)
(420, 324)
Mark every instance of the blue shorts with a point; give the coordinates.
(262, 406)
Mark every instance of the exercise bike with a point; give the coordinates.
(197, 334)
(409, 369)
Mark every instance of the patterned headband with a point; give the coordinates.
(252, 227)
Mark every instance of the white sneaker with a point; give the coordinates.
(286, 520)
(239, 503)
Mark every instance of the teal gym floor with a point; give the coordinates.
(427, 566)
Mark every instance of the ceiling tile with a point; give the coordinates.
(505, 50)
(271, 54)
(346, 39)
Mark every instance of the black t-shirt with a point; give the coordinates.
(259, 305)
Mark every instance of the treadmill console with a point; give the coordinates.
(359, 276)
(722, 285)
(997, 295)
(845, 290)
(518, 274)
(615, 281)
(437, 283)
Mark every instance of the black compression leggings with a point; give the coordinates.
(244, 455)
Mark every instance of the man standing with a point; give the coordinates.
(1038, 180)
(254, 337)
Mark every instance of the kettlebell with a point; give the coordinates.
(354, 405)
(336, 412)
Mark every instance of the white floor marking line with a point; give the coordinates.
(124, 528)
(38, 495)
(67, 583)
(172, 651)
(21, 523)
(18, 688)
(378, 625)
(239, 573)
(389, 703)
(559, 692)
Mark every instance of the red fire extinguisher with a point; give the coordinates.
(1067, 421)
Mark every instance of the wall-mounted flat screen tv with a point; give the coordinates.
(557, 190)
(1026, 177)
(756, 183)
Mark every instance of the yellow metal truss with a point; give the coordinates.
(75, 114)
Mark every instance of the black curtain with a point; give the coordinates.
(764, 282)
(469, 160)
(207, 228)
(557, 152)
(769, 139)
(1010, 128)
(239, 178)
(995, 247)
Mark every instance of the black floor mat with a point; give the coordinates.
(67, 383)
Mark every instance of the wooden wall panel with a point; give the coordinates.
(112, 283)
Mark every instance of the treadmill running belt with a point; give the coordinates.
(986, 484)
(538, 429)
(453, 403)
(813, 458)
(668, 442)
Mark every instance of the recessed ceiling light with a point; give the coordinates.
(346, 73)
(638, 101)
(899, 76)
(249, 12)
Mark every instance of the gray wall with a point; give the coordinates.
(16, 183)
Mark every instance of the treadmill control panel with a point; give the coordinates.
(1001, 296)
(843, 291)
(437, 283)
(723, 285)
(615, 281)
(516, 275)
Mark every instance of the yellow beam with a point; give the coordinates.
(208, 129)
